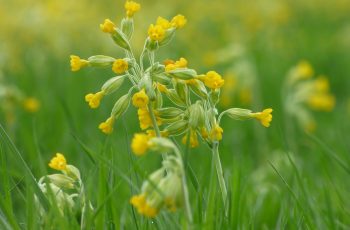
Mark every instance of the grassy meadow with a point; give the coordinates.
(291, 175)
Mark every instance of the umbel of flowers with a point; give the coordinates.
(193, 114)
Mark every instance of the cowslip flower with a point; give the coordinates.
(212, 80)
(58, 162)
(216, 133)
(162, 88)
(265, 117)
(131, 8)
(156, 32)
(140, 99)
(76, 63)
(120, 66)
(107, 126)
(193, 139)
(31, 104)
(324, 102)
(108, 26)
(163, 23)
(178, 21)
(181, 63)
(94, 99)
(143, 207)
(145, 118)
(139, 143)
(304, 70)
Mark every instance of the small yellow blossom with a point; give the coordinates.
(145, 118)
(178, 21)
(107, 26)
(265, 117)
(164, 23)
(131, 8)
(58, 162)
(204, 133)
(181, 63)
(94, 99)
(212, 80)
(193, 139)
(323, 102)
(120, 66)
(77, 63)
(162, 88)
(31, 104)
(139, 143)
(321, 84)
(304, 70)
(107, 126)
(216, 133)
(140, 99)
(156, 32)
(140, 203)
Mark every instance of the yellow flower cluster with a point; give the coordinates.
(94, 99)
(77, 63)
(58, 162)
(131, 8)
(157, 32)
(145, 118)
(140, 203)
(171, 65)
(140, 99)
(120, 66)
(265, 117)
(216, 133)
(321, 99)
(212, 80)
(108, 26)
(107, 126)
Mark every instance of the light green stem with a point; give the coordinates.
(219, 172)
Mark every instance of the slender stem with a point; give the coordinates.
(220, 174)
(154, 120)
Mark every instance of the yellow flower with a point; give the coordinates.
(181, 63)
(140, 99)
(265, 117)
(322, 101)
(304, 70)
(213, 80)
(120, 66)
(162, 88)
(131, 8)
(216, 133)
(152, 133)
(94, 99)
(139, 143)
(164, 23)
(140, 203)
(145, 118)
(107, 26)
(178, 21)
(76, 63)
(58, 162)
(156, 32)
(107, 126)
(31, 104)
(321, 84)
(193, 139)
(204, 133)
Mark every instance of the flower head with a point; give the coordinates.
(131, 8)
(323, 102)
(265, 117)
(162, 88)
(181, 63)
(58, 162)
(304, 70)
(213, 80)
(143, 207)
(139, 143)
(156, 32)
(107, 26)
(140, 99)
(120, 66)
(107, 126)
(193, 139)
(216, 133)
(163, 23)
(31, 104)
(178, 21)
(145, 118)
(94, 99)
(77, 63)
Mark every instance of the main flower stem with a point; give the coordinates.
(183, 177)
(219, 172)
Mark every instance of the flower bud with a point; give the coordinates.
(196, 116)
(182, 90)
(61, 181)
(151, 45)
(174, 97)
(183, 73)
(121, 39)
(146, 82)
(73, 172)
(238, 113)
(100, 61)
(169, 35)
(161, 78)
(121, 106)
(177, 128)
(156, 68)
(127, 26)
(161, 144)
(198, 88)
(169, 112)
(113, 84)
(215, 95)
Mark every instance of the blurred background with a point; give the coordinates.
(253, 44)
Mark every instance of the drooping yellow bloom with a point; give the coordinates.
(321, 84)
(94, 99)
(216, 133)
(156, 32)
(204, 133)
(131, 8)
(265, 117)
(163, 23)
(107, 26)
(178, 21)
(145, 118)
(212, 80)
(181, 63)
(140, 203)
(139, 143)
(58, 162)
(193, 139)
(323, 102)
(107, 126)
(162, 88)
(140, 99)
(304, 70)
(76, 63)
(31, 104)
(120, 66)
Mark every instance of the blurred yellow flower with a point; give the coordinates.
(171, 65)
(94, 99)
(77, 63)
(139, 143)
(212, 80)
(193, 139)
(107, 26)
(164, 23)
(162, 88)
(139, 202)
(140, 99)
(31, 104)
(156, 32)
(304, 70)
(120, 66)
(58, 162)
(216, 133)
(265, 117)
(131, 8)
(178, 21)
(145, 118)
(324, 102)
(107, 126)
